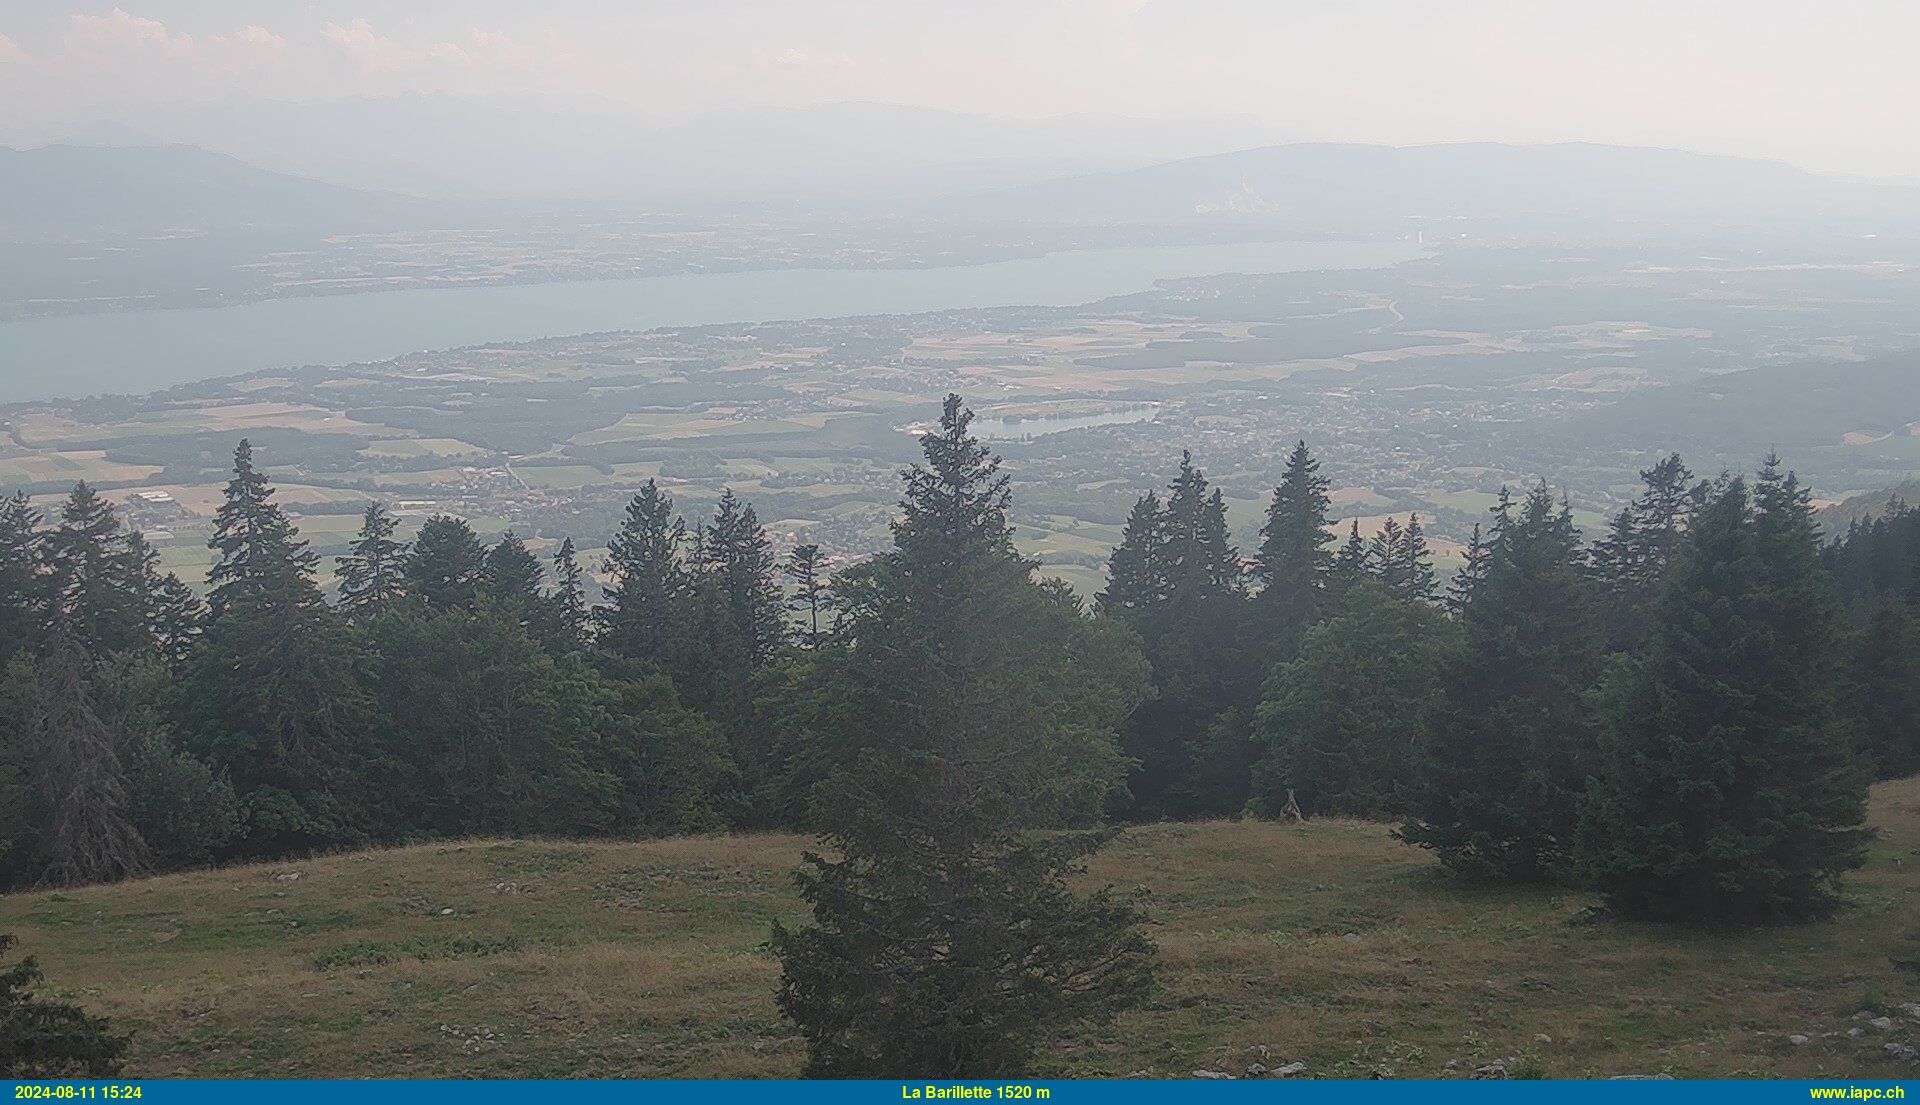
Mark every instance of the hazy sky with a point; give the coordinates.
(1832, 85)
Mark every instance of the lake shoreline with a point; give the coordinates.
(141, 352)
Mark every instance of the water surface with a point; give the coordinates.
(140, 351)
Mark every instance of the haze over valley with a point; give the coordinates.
(845, 539)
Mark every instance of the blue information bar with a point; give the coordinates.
(1129, 1092)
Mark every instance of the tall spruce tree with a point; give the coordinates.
(1136, 572)
(1293, 563)
(1473, 572)
(807, 569)
(1877, 556)
(1729, 792)
(96, 576)
(23, 597)
(511, 575)
(945, 941)
(1632, 560)
(1416, 564)
(1178, 583)
(370, 572)
(446, 567)
(573, 620)
(1384, 556)
(1399, 559)
(1886, 688)
(737, 556)
(1350, 564)
(176, 617)
(260, 561)
(1513, 740)
(269, 695)
(650, 579)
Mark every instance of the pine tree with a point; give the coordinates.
(1178, 583)
(736, 554)
(1199, 558)
(445, 567)
(370, 573)
(1877, 556)
(1472, 573)
(142, 580)
(1350, 564)
(1136, 571)
(176, 617)
(23, 598)
(811, 593)
(45, 1039)
(1633, 558)
(650, 581)
(96, 576)
(1513, 741)
(511, 575)
(1415, 565)
(945, 941)
(573, 621)
(1293, 564)
(1729, 792)
(1886, 688)
(1383, 555)
(81, 784)
(269, 694)
(261, 562)
(1399, 558)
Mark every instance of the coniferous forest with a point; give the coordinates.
(1682, 715)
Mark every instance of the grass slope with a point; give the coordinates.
(1327, 943)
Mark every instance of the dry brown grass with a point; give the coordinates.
(1327, 943)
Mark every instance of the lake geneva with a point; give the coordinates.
(143, 351)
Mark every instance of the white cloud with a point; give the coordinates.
(119, 30)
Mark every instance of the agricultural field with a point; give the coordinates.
(1425, 388)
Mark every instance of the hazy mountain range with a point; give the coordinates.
(57, 190)
(1311, 187)
(446, 146)
(1361, 186)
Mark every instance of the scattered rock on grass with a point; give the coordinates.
(1489, 1071)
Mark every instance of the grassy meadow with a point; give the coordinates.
(1328, 944)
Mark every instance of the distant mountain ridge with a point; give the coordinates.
(1365, 184)
(594, 151)
(53, 189)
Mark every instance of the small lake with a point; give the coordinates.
(1017, 429)
(141, 351)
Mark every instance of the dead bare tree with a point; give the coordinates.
(81, 783)
(1291, 811)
